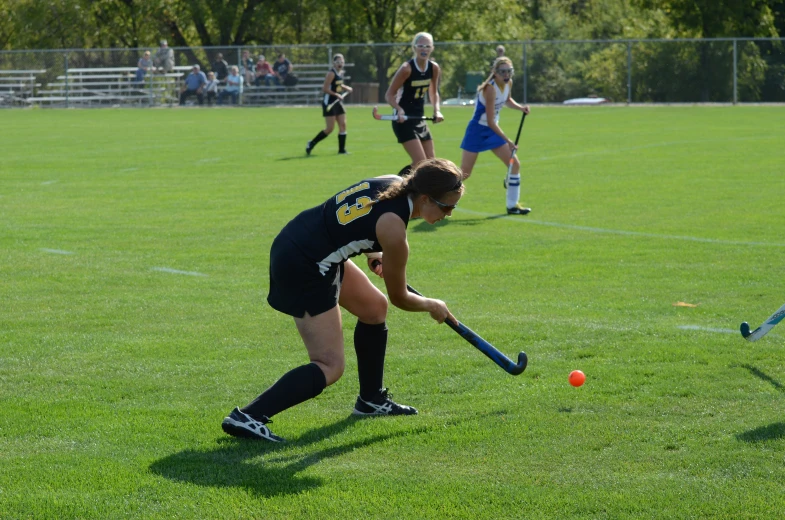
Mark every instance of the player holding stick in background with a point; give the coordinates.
(332, 107)
(406, 95)
(311, 275)
(483, 132)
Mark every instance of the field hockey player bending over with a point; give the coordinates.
(483, 132)
(311, 274)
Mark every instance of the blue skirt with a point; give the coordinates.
(479, 138)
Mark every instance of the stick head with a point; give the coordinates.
(376, 114)
(518, 369)
(745, 329)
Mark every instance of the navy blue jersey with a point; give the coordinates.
(411, 95)
(345, 225)
(336, 85)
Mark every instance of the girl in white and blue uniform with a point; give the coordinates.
(484, 133)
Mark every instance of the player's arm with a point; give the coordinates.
(511, 103)
(401, 75)
(328, 79)
(391, 233)
(433, 93)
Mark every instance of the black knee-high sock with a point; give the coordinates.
(341, 142)
(370, 344)
(321, 135)
(298, 385)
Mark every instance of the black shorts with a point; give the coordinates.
(409, 130)
(296, 285)
(337, 110)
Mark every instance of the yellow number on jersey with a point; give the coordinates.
(361, 207)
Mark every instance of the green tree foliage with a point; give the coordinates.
(554, 71)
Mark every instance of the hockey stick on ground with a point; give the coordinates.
(380, 117)
(477, 342)
(340, 98)
(761, 331)
(512, 157)
(486, 348)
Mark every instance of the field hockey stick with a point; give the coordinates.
(340, 98)
(761, 331)
(483, 346)
(477, 342)
(380, 117)
(512, 157)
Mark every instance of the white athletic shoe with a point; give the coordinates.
(239, 424)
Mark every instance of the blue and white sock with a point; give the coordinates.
(513, 190)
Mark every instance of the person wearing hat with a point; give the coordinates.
(194, 86)
(164, 57)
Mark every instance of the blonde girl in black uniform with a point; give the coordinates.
(312, 276)
(333, 87)
(407, 97)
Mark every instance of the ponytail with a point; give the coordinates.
(432, 177)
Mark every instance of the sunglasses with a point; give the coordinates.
(446, 208)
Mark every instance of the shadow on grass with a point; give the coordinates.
(231, 465)
(764, 433)
(294, 158)
(424, 227)
(765, 377)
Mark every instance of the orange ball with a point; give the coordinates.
(577, 378)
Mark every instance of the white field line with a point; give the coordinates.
(177, 271)
(669, 144)
(56, 251)
(46, 183)
(526, 220)
(708, 329)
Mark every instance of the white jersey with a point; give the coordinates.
(501, 98)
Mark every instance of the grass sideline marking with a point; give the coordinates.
(177, 271)
(623, 232)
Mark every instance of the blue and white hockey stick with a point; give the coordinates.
(761, 331)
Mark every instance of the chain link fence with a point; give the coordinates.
(732, 70)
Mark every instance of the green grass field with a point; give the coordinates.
(133, 275)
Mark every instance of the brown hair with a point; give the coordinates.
(501, 60)
(432, 177)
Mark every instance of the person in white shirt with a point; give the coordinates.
(211, 87)
(234, 86)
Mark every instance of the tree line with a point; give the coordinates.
(661, 73)
(60, 24)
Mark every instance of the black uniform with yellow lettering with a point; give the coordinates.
(307, 256)
(411, 98)
(335, 86)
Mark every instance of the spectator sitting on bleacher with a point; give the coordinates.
(145, 63)
(264, 72)
(234, 86)
(282, 68)
(164, 58)
(221, 68)
(211, 87)
(248, 67)
(194, 85)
